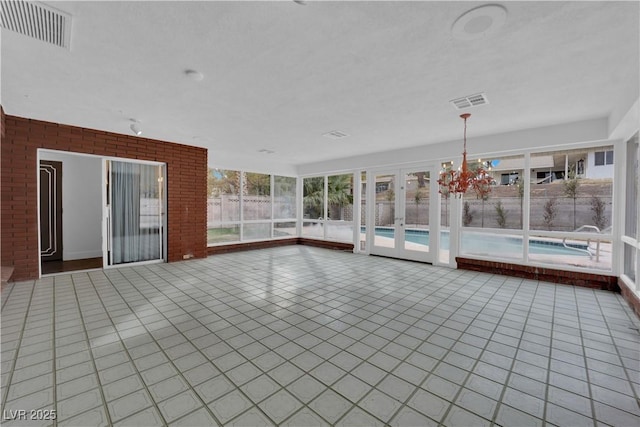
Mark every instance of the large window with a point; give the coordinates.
(223, 206)
(492, 212)
(241, 206)
(551, 207)
(328, 207)
(571, 217)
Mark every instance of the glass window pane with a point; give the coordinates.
(223, 234)
(284, 193)
(573, 251)
(385, 210)
(416, 211)
(223, 203)
(630, 261)
(609, 157)
(487, 244)
(284, 229)
(340, 231)
(313, 197)
(256, 231)
(631, 193)
(256, 196)
(313, 229)
(567, 200)
(340, 197)
(499, 202)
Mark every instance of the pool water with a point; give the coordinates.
(472, 242)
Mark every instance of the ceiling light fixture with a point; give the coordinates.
(458, 182)
(136, 129)
(479, 22)
(194, 75)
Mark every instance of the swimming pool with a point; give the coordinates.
(475, 242)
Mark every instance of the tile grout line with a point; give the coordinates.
(179, 372)
(15, 360)
(615, 346)
(90, 349)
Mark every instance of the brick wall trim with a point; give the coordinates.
(186, 174)
(583, 279)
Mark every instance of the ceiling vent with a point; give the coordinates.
(37, 20)
(470, 101)
(335, 134)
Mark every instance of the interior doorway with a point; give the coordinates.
(97, 212)
(50, 211)
(70, 211)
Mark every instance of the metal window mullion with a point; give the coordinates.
(526, 203)
(326, 207)
(355, 210)
(241, 205)
(272, 180)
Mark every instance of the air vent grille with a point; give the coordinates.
(470, 101)
(37, 20)
(335, 134)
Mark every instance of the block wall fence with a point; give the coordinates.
(186, 176)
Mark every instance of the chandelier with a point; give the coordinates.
(457, 183)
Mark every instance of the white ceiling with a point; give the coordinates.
(278, 75)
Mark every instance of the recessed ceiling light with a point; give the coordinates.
(479, 22)
(194, 75)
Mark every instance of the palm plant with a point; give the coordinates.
(313, 197)
(339, 192)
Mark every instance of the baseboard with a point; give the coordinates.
(248, 246)
(582, 279)
(631, 297)
(71, 256)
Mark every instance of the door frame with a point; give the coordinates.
(399, 250)
(106, 217)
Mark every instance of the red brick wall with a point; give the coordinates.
(186, 185)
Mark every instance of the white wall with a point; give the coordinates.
(81, 204)
(480, 146)
(597, 172)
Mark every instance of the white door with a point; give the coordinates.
(401, 214)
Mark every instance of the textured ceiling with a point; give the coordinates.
(278, 75)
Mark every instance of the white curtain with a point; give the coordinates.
(136, 212)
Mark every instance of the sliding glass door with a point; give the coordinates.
(135, 212)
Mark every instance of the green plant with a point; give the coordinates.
(598, 208)
(520, 187)
(501, 214)
(467, 214)
(482, 189)
(550, 210)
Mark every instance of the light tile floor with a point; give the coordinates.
(300, 336)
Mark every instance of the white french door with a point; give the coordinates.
(135, 220)
(401, 213)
